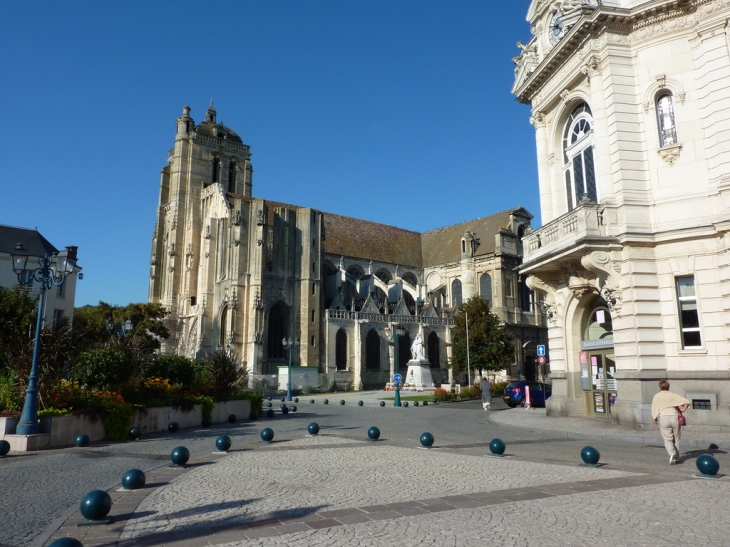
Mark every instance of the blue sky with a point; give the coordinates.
(398, 112)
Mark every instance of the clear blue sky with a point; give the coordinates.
(398, 112)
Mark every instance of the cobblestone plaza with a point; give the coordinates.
(340, 489)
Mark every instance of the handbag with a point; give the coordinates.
(680, 417)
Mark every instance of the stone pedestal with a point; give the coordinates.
(27, 443)
(419, 374)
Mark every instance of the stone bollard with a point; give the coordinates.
(373, 433)
(267, 435)
(313, 429)
(497, 447)
(296, 399)
(342, 402)
(135, 433)
(382, 403)
(293, 408)
(270, 413)
(232, 418)
(66, 542)
(134, 479)
(285, 410)
(425, 403)
(415, 403)
(326, 401)
(590, 456)
(360, 403)
(405, 404)
(223, 443)
(268, 405)
(311, 401)
(708, 466)
(173, 427)
(82, 440)
(426, 440)
(179, 456)
(4, 448)
(95, 506)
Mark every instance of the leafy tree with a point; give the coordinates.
(106, 368)
(491, 345)
(176, 368)
(146, 320)
(18, 313)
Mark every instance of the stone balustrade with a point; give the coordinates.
(345, 315)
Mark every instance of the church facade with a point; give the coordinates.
(241, 273)
(631, 103)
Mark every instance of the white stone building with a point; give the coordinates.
(631, 107)
(242, 273)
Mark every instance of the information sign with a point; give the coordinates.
(397, 377)
(541, 349)
(540, 359)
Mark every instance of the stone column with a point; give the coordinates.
(547, 208)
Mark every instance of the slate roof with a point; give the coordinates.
(35, 243)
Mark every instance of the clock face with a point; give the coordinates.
(556, 31)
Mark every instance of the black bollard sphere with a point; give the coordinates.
(342, 401)
(296, 399)
(282, 406)
(405, 403)
(373, 433)
(313, 428)
(326, 401)
(223, 443)
(708, 465)
(82, 440)
(205, 422)
(267, 435)
(254, 415)
(4, 448)
(293, 408)
(382, 403)
(426, 440)
(434, 401)
(134, 479)
(311, 401)
(590, 455)
(270, 413)
(360, 403)
(415, 403)
(268, 405)
(66, 542)
(285, 410)
(96, 505)
(497, 446)
(173, 427)
(135, 433)
(425, 403)
(232, 418)
(283, 399)
(180, 455)
(268, 398)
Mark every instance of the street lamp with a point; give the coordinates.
(121, 330)
(392, 335)
(52, 271)
(288, 345)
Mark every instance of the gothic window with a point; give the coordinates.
(341, 349)
(485, 288)
(410, 303)
(578, 164)
(404, 351)
(215, 167)
(223, 326)
(384, 276)
(372, 351)
(410, 279)
(456, 293)
(434, 351)
(665, 120)
(278, 320)
(381, 300)
(355, 272)
(232, 177)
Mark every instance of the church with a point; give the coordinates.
(240, 273)
(630, 101)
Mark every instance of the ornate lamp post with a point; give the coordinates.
(121, 330)
(288, 345)
(392, 335)
(52, 271)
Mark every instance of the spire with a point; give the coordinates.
(210, 113)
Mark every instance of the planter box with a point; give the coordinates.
(7, 426)
(65, 429)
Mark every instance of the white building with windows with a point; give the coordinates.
(631, 108)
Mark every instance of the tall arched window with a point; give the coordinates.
(222, 326)
(372, 350)
(404, 350)
(384, 276)
(355, 272)
(215, 169)
(341, 349)
(485, 288)
(232, 177)
(278, 322)
(456, 293)
(434, 351)
(665, 119)
(410, 279)
(578, 166)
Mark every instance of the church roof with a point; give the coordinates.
(35, 244)
(218, 130)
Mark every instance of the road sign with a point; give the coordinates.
(540, 359)
(397, 377)
(541, 350)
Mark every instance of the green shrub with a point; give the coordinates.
(443, 395)
(117, 419)
(106, 368)
(498, 388)
(179, 370)
(50, 412)
(468, 392)
(225, 373)
(8, 390)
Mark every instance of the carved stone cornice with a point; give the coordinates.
(538, 119)
(670, 154)
(551, 307)
(609, 278)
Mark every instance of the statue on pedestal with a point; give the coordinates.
(417, 349)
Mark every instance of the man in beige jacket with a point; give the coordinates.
(664, 408)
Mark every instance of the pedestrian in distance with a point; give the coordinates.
(666, 408)
(486, 388)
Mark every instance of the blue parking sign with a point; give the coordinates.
(540, 350)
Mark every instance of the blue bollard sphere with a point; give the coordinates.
(180, 455)
(293, 408)
(590, 455)
(313, 428)
(434, 401)
(270, 413)
(326, 401)
(82, 440)
(254, 415)
(283, 399)
(282, 406)
(4, 448)
(135, 433)
(232, 418)
(173, 427)
(342, 401)
(373, 433)
(268, 398)
(66, 542)
(425, 403)
(311, 401)
(360, 403)
(426, 440)
(382, 403)
(267, 435)
(405, 403)
(497, 446)
(268, 405)
(415, 403)
(205, 422)
(708, 465)
(285, 410)
(134, 479)
(296, 399)
(96, 505)
(223, 443)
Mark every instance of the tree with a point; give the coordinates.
(146, 320)
(491, 345)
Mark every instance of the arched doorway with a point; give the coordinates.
(372, 350)
(341, 349)
(597, 360)
(404, 350)
(278, 329)
(434, 350)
